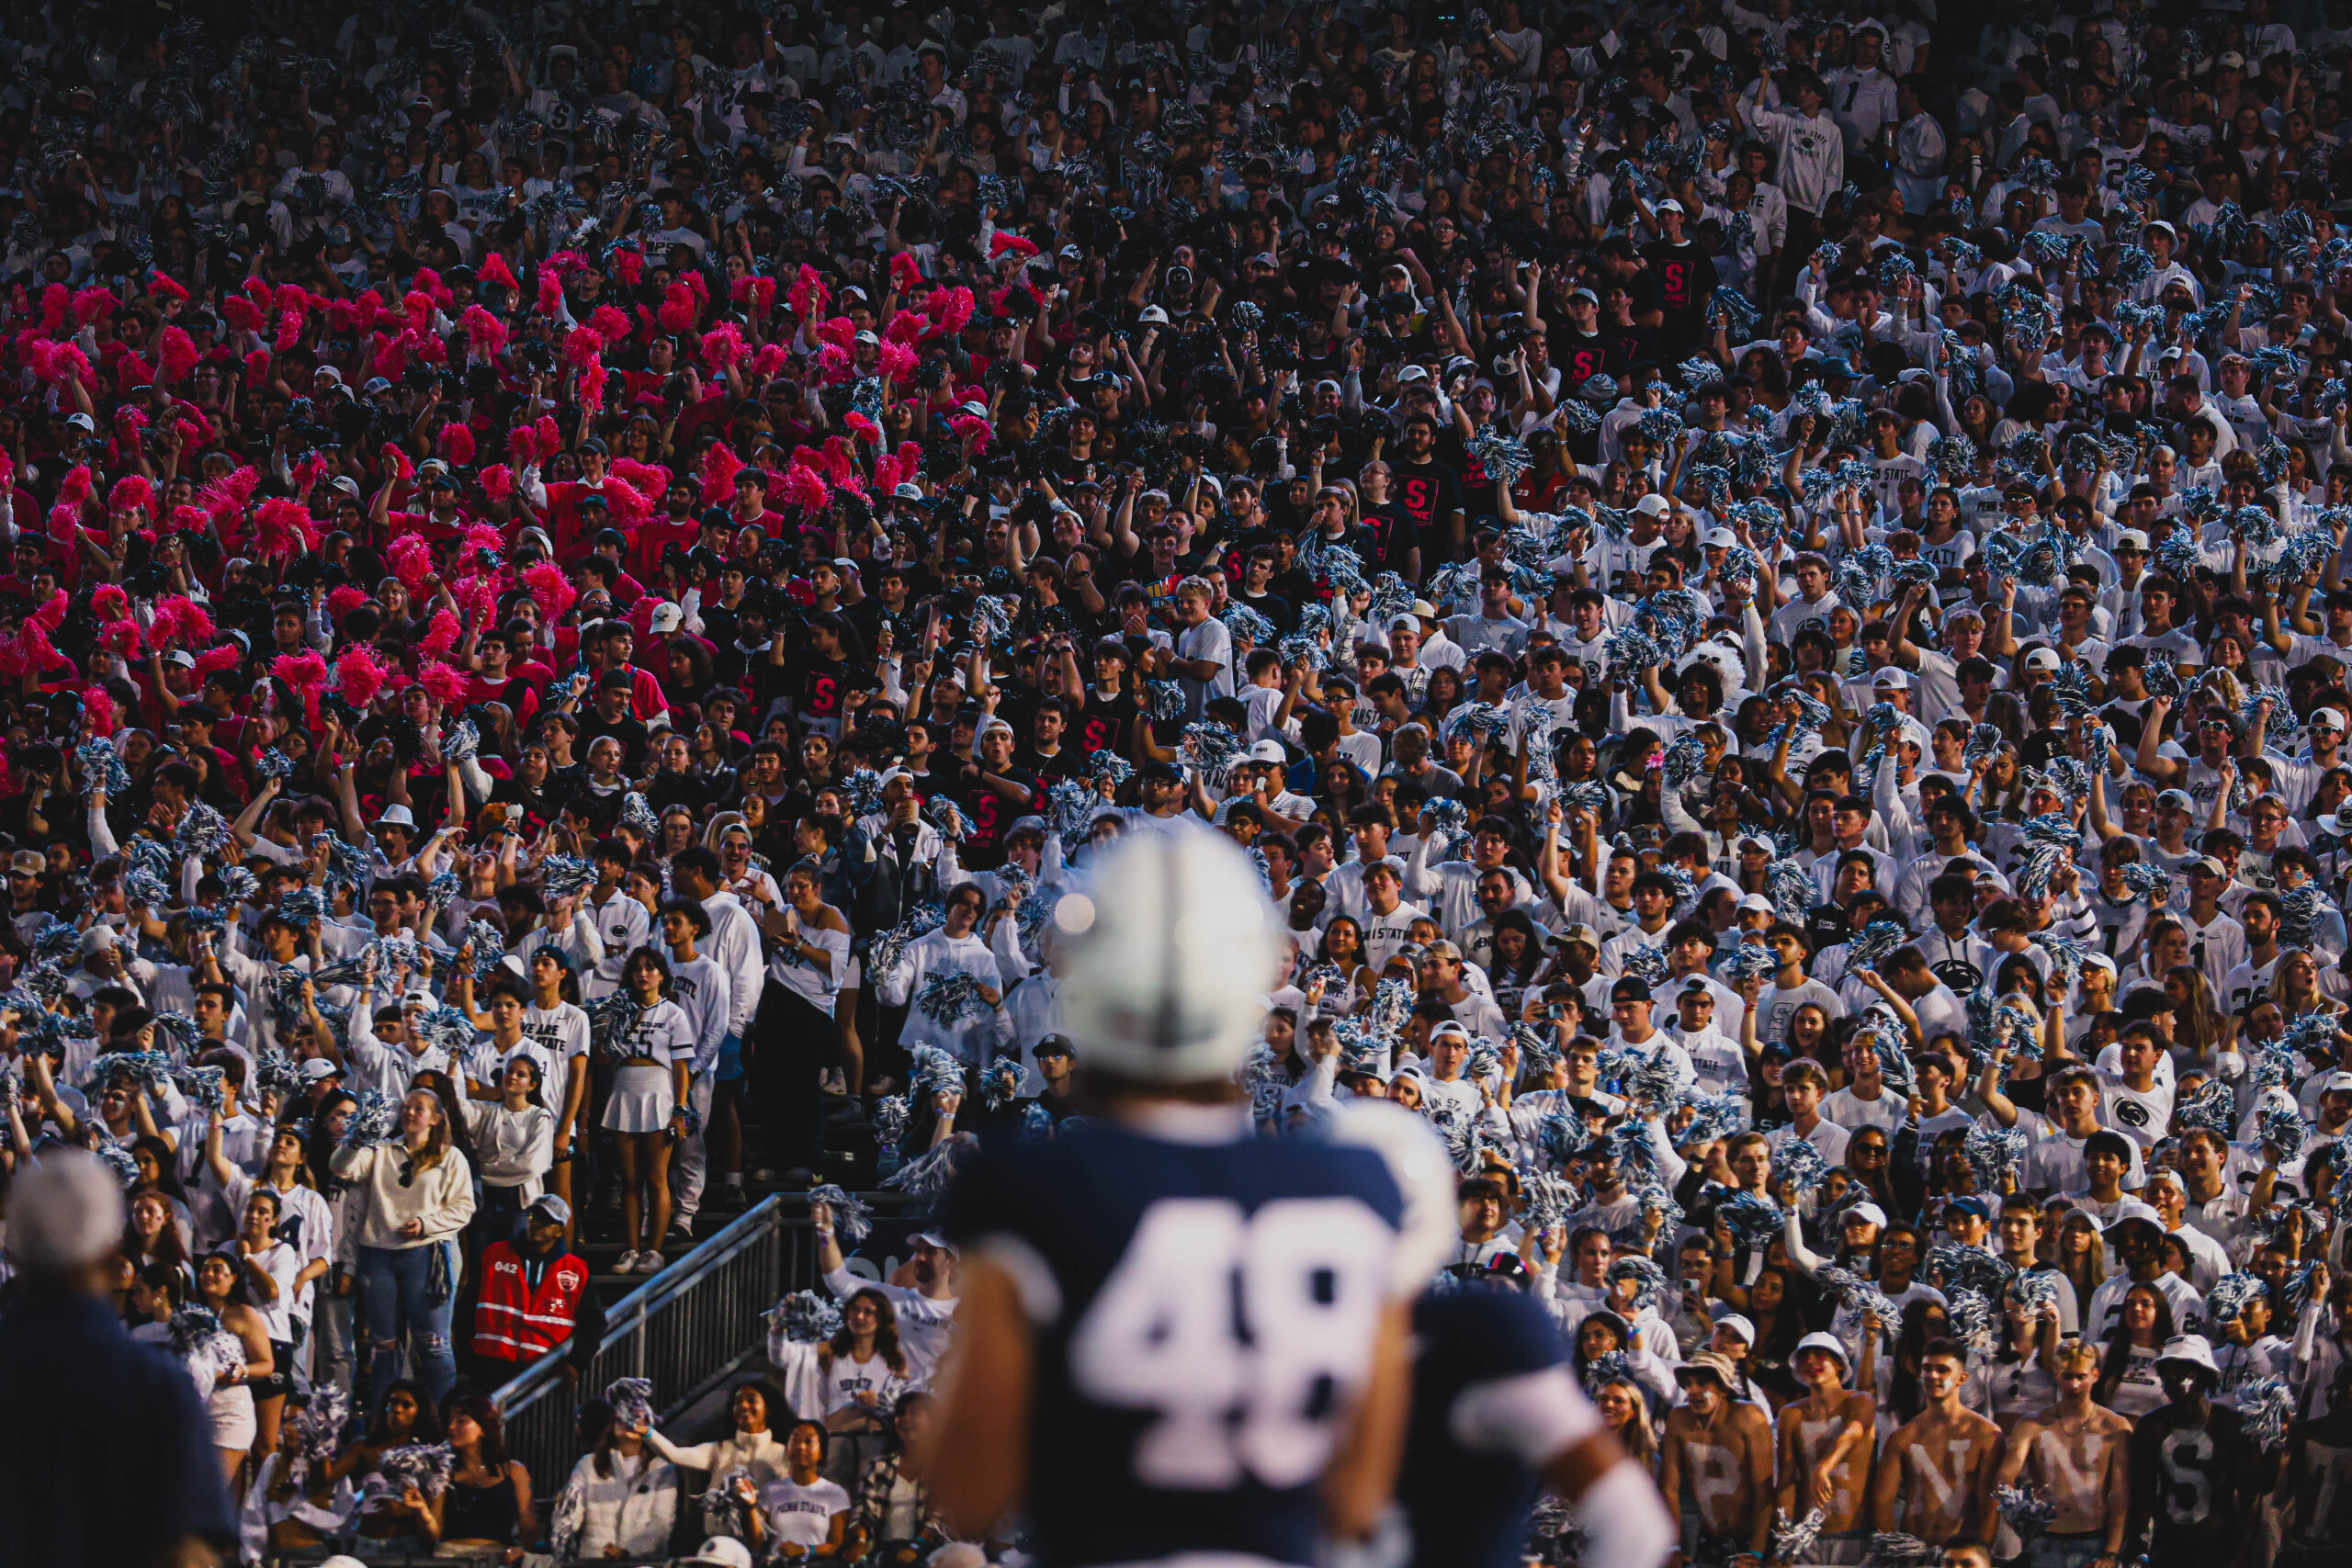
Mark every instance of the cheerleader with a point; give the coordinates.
(647, 1108)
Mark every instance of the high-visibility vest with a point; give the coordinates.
(514, 1321)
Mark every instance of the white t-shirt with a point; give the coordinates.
(801, 1515)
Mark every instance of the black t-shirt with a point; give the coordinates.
(1628, 346)
(1427, 492)
(1685, 280)
(627, 729)
(1579, 357)
(1106, 723)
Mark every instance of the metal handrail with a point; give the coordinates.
(707, 1307)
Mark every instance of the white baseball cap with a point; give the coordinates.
(667, 618)
(1269, 751)
(1738, 1325)
(720, 1551)
(2134, 537)
(1866, 1211)
(1652, 505)
(2189, 1348)
(1719, 538)
(2042, 659)
(1892, 679)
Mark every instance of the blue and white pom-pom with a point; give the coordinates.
(1792, 1538)
(374, 1120)
(1648, 1278)
(102, 770)
(851, 1219)
(948, 817)
(566, 876)
(203, 832)
(805, 1317)
(426, 1466)
(999, 1082)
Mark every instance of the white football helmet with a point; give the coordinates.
(1171, 950)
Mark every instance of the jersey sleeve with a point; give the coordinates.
(988, 1212)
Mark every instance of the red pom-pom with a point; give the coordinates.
(457, 445)
(498, 481)
(951, 308)
(629, 265)
(441, 636)
(100, 715)
(906, 272)
(182, 619)
(864, 429)
(720, 466)
(807, 294)
(645, 479)
(303, 671)
(283, 528)
(803, 487)
(1007, 244)
(257, 370)
(132, 491)
(95, 304)
(176, 356)
(838, 331)
(164, 287)
(900, 362)
(242, 314)
(723, 348)
(629, 505)
(485, 334)
(52, 615)
(342, 601)
(551, 293)
(550, 588)
(591, 386)
(609, 323)
(109, 604)
(446, 687)
(550, 437)
(769, 361)
(123, 637)
(391, 357)
(677, 314)
(494, 270)
(582, 345)
(410, 559)
(222, 658)
(359, 675)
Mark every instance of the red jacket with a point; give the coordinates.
(517, 1320)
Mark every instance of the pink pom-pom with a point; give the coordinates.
(498, 481)
(485, 334)
(769, 361)
(359, 675)
(550, 588)
(804, 486)
(864, 429)
(441, 636)
(591, 386)
(723, 348)
(457, 445)
(109, 604)
(52, 615)
(720, 466)
(447, 687)
(100, 715)
(898, 363)
(411, 560)
(629, 506)
(551, 293)
(132, 491)
(677, 313)
(176, 356)
(342, 601)
(283, 528)
(629, 265)
(609, 323)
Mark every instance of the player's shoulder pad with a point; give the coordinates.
(1416, 1161)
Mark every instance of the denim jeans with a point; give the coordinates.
(394, 1315)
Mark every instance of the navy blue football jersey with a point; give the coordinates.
(1493, 1402)
(1202, 1312)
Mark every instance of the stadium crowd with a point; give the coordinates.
(1765, 589)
